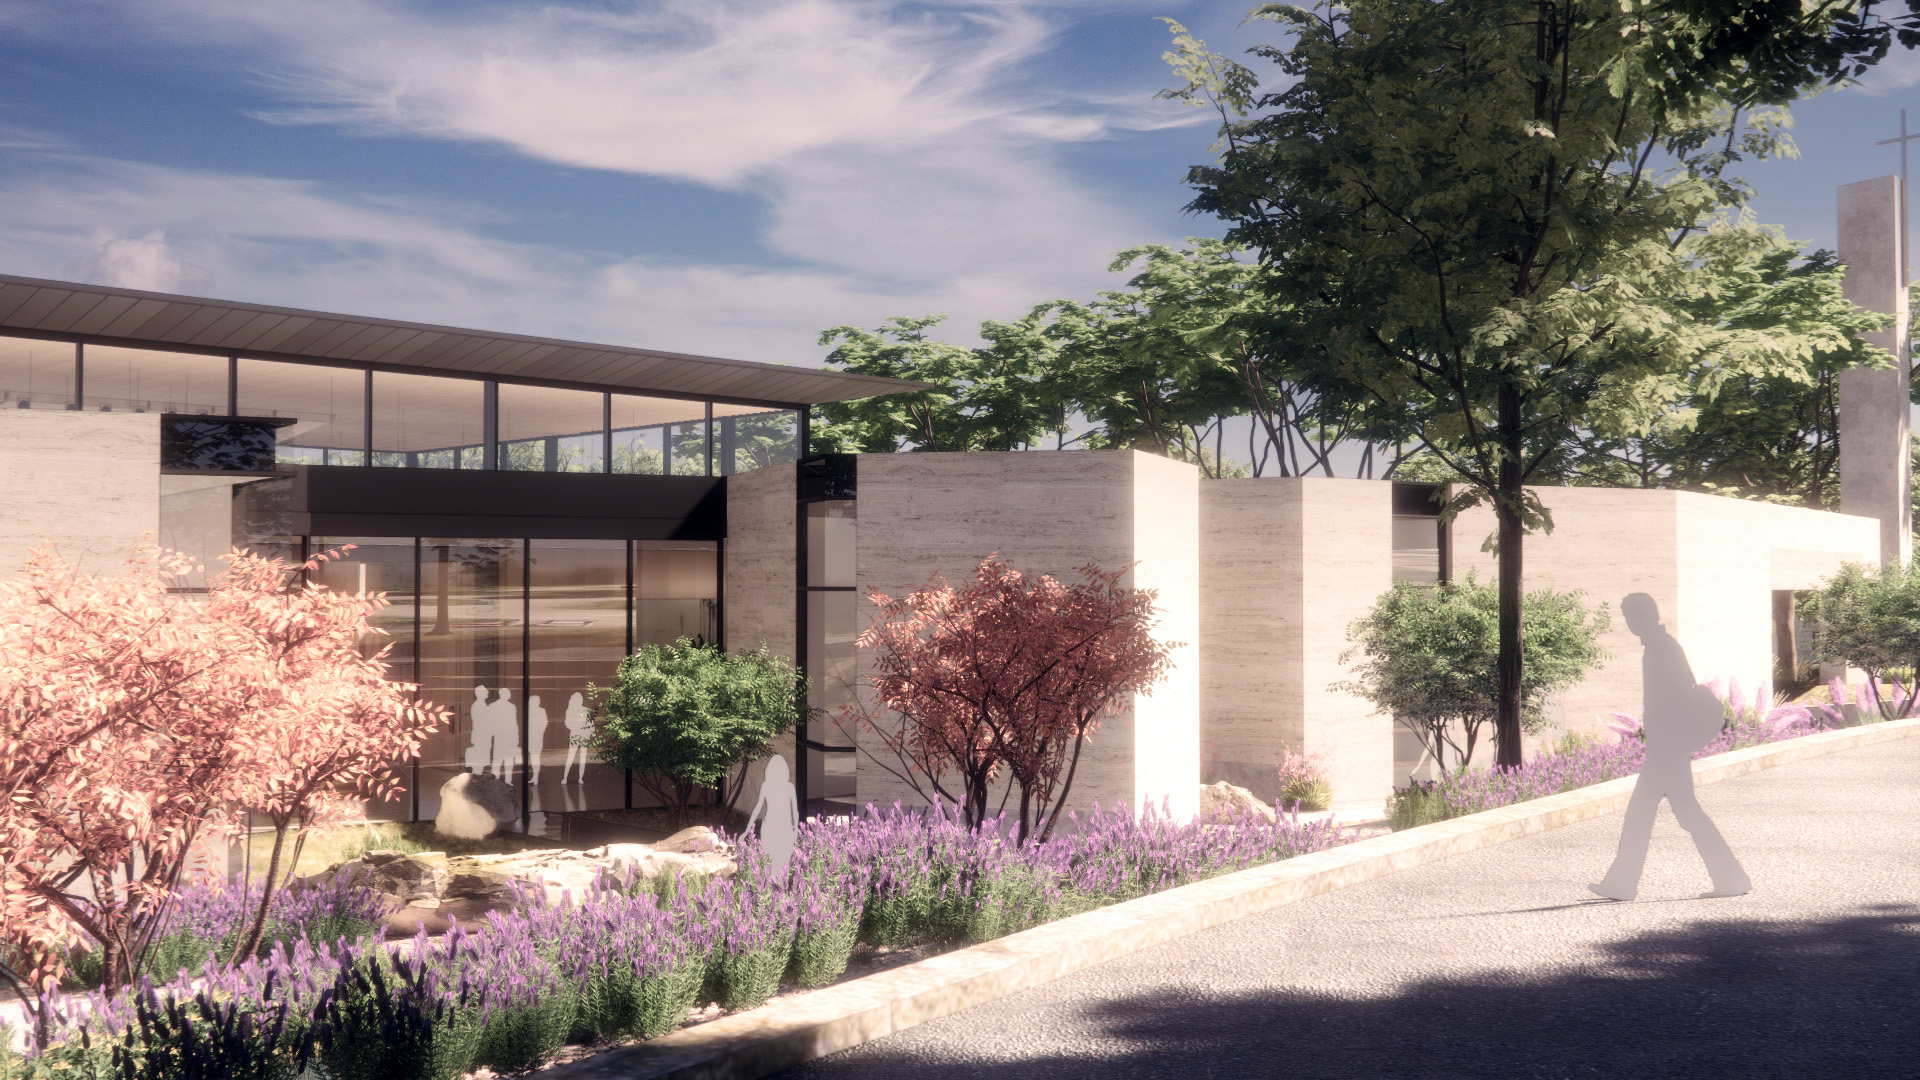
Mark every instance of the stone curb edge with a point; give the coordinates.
(768, 1040)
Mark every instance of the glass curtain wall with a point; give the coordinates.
(381, 565)
(473, 621)
(329, 403)
(674, 592)
(577, 635)
(832, 624)
(748, 437)
(427, 422)
(659, 436)
(36, 374)
(148, 380)
(547, 430)
(511, 637)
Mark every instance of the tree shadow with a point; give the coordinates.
(1728, 998)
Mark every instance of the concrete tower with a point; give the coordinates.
(1875, 480)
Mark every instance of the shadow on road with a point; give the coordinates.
(1734, 998)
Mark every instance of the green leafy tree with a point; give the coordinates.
(1771, 435)
(1428, 655)
(990, 398)
(1457, 202)
(1869, 618)
(684, 717)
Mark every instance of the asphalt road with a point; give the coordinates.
(1499, 963)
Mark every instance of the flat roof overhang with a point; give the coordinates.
(64, 310)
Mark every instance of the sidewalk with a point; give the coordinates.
(1498, 963)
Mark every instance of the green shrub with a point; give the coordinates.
(1413, 806)
(1869, 618)
(1428, 657)
(684, 717)
(821, 956)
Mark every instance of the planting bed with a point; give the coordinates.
(630, 958)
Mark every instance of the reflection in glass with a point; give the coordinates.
(1416, 549)
(749, 437)
(379, 565)
(676, 591)
(831, 629)
(659, 436)
(148, 380)
(328, 405)
(830, 542)
(36, 374)
(577, 636)
(548, 430)
(426, 422)
(472, 619)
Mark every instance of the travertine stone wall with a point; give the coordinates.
(757, 579)
(89, 481)
(1287, 564)
(928, 515)
(1710, 564)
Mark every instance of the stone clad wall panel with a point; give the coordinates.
(937, 515)
(89, 481)
(758, 583)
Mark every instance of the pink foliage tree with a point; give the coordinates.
(1006, 679)
(138, 720)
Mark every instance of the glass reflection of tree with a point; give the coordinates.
(763, 439)
(685, 443)
(483, 561)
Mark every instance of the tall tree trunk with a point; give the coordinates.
(1506, 728)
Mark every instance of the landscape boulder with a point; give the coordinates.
(406, 878)
(1225, 802)
(474, 806)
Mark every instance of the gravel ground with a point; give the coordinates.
(1499, 963)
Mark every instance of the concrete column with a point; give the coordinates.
(1874, 452)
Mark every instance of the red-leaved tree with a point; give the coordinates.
(137, 720)
(1010, 676)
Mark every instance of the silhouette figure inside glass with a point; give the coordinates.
(778, 811)
(1681, 717)
(577, 730)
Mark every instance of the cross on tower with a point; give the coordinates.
(1902, 140)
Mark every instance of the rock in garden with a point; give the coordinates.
(474, 806)
(1226, 802)
(406, 878)
(695, 841)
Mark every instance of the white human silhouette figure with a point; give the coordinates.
(479, 732)
(778, 810)
(505, 742)
(1681, 717)
(536, 736)
(577, 724)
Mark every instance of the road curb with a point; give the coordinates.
(767, 1040)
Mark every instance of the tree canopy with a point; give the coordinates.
(1461, 207)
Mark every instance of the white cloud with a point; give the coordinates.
(140, 262)
(295, 244)
(910, 158)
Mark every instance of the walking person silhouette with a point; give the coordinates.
(1681, 717)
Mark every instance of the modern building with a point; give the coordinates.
(535, 509)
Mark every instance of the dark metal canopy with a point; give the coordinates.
(66, 310)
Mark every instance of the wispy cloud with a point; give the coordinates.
(295, 243)
(911, 156)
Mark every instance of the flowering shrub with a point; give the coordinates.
(1303, 781)
(630, 957)
(1578, 763)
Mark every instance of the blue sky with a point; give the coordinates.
(699, 175)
